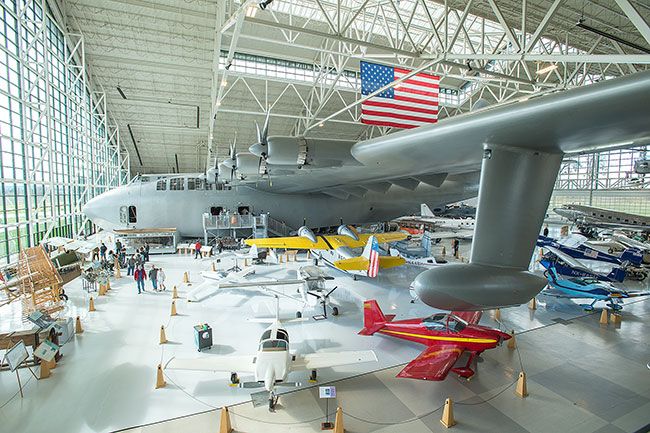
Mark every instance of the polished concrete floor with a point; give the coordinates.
(582, 376)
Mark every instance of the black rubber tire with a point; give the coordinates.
(298, 315)
(335, 311)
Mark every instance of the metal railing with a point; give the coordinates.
(232, 221)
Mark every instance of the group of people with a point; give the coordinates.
(156, 275)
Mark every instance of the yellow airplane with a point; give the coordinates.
(337, 250)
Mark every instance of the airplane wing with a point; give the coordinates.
(315, 361)
(361, 263)
(238, 363)
(290, 242)
(555, 293)
(460, 234)
(432, 364)
(472, 317)
(577, 264)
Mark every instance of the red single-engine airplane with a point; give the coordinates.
(446, 334)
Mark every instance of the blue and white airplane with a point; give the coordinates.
(588, 288)
(568, 266)
(581, 250)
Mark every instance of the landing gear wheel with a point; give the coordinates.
(313, 375)
(298, 314)
(335, 311)
(234, 379)
(354, 277)
(615, 307)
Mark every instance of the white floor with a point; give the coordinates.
(106, 379)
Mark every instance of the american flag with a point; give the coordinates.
(412, 103)
(373, 260)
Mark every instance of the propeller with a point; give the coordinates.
(261, 147)
(323, 298)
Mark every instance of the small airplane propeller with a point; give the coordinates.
(323, 298)
(262, 136)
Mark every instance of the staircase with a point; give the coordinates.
(278, 228)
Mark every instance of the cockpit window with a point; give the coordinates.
(161, 185)
(266, 335)
(194, 183)
(274, 346)
(282, 335)
(442, 322)
(176, 184)
(133, 214)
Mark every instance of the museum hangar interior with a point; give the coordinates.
(306, 215)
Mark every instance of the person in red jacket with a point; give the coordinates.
(139, 276)
(197, 250)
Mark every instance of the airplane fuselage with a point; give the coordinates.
(141, 205)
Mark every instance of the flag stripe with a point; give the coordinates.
(380, 122)
(426, 102)
(415, 108)
(419, 74)
(394, 115)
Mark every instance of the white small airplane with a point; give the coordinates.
(444, 228)
(423, 262)
(216, 280)
(310, 281)
(272, 363)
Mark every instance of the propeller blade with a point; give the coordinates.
(313, 294)
(259, 134)
(265, 130)
(330, 292)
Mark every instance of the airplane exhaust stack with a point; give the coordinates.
(345, 230)
(307, 233)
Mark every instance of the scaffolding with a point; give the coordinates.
(40, 282)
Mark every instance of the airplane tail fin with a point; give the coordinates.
(632, 255)
(425, 211)
(366, 250)
(617, 274)
(373, 318)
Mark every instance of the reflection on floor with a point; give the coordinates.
(582, 377)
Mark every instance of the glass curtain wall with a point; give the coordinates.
(58, 149)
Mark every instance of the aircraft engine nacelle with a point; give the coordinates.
(298, 151)
(286, 151)
(345, 230)
(307, 233)
(248, 164)
(211, 174)
(227, 164)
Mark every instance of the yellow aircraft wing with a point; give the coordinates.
(291, 242)
(361, 263)
(326, 242)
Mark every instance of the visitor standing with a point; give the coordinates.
(153, 276)
(161, 279)
(197, 250)
(139, 276)
(130, 265)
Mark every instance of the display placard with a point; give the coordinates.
(327, 391)
(46, 350)
(16, 355)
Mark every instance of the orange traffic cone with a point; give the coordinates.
(160, 379)
(163, 337)
(448, 414)
(91, 304)
(78, 329)
(173, 312)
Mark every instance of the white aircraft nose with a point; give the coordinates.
(91, 208)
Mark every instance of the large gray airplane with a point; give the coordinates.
(588, 216)
(516, 148)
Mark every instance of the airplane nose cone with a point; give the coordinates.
(90, 209)
(257, 149)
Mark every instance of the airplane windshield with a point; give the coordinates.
(274, 346)
(442, 322)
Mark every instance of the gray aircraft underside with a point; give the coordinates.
(596, 217)
(183, 210)
(518, 148)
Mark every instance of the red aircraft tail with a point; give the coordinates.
(373, 318)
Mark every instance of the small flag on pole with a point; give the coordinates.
(411, 103)
(373, 260)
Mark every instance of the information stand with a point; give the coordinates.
(327, 392)
(16, 356)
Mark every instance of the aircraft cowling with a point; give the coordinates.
(211, 174)
(345, 230)
(248, 164)
(307, 233)
(298, 151)
(227, 164)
